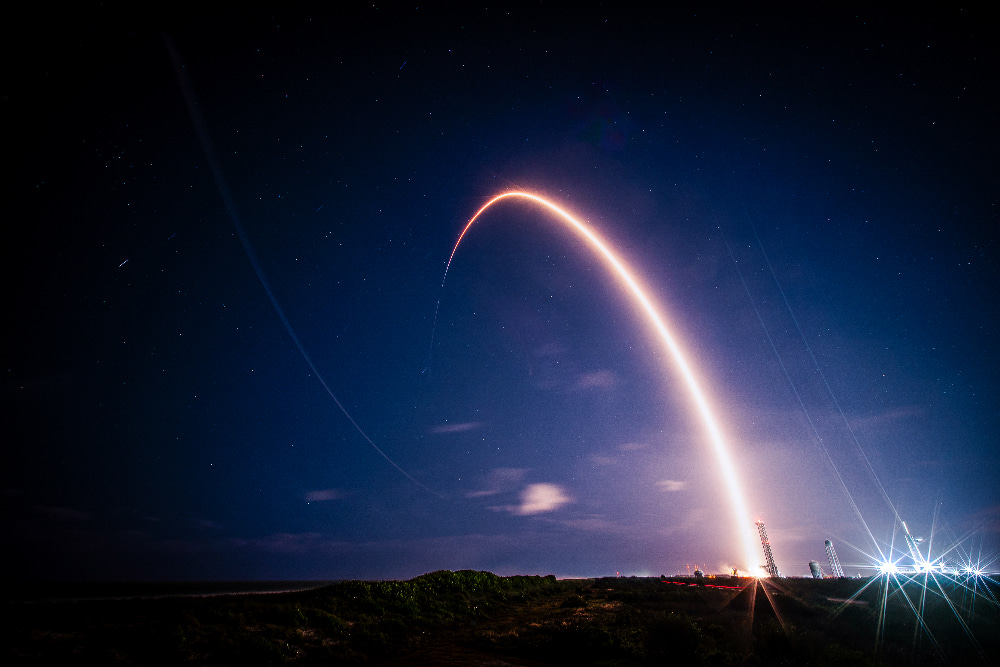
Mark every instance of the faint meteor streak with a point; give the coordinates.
(619, 269)
(201, 127)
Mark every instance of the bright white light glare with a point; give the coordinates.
(624, 274)
(928, 585)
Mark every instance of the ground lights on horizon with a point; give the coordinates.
(913, 579)
(631, 285)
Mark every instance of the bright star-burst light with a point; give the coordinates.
(888, 567)
(931, 588)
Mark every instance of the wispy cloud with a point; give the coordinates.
(671, 485)
(888, 417)
(595, 524)
(602, 460)
(498, 481)
(323, 494)
(618, 455)
(456, 428)
(603, 379)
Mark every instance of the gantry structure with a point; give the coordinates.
(834, 561)
(769, 566)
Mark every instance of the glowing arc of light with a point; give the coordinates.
(622, 272)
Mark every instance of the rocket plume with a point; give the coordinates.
(656, 320)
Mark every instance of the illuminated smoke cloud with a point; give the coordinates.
(541, 498)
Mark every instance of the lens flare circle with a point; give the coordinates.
(630, 284)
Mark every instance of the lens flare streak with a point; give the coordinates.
(656, 319)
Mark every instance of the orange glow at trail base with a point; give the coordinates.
(629, 283)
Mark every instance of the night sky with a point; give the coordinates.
(811, 199)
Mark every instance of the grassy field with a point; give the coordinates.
(478, 618)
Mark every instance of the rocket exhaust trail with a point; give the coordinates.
(631, 286)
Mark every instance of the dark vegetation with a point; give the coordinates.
(478, 618)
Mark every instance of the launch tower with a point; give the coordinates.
(918, 560)
(770, 567)
(834, 561)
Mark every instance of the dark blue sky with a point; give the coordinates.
(812, 198)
